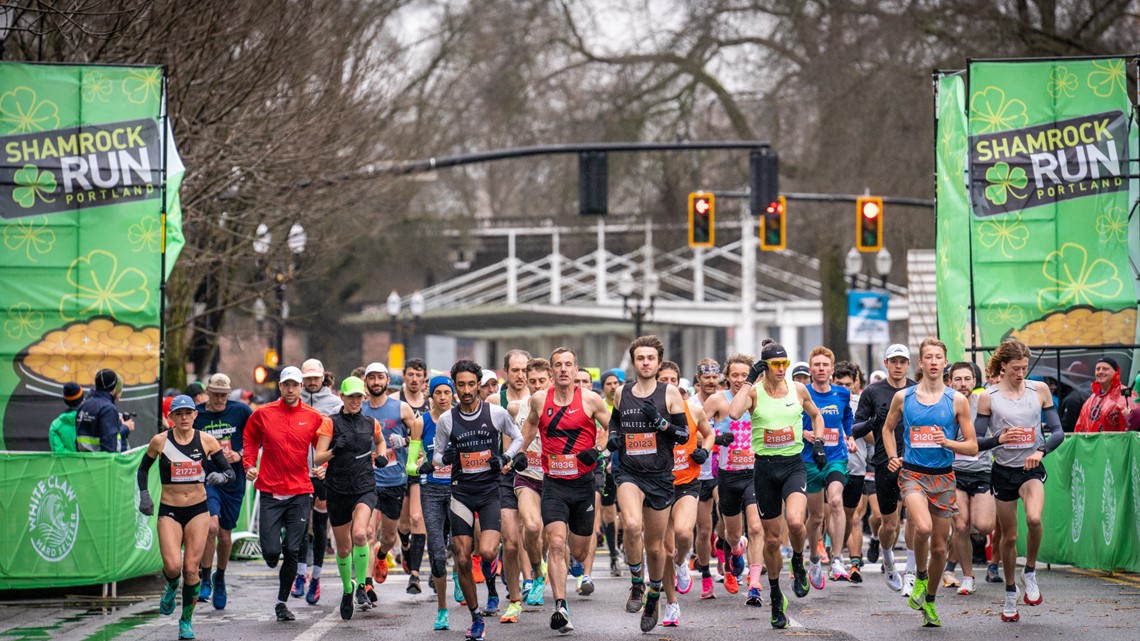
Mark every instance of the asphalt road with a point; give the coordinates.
(1079, 604)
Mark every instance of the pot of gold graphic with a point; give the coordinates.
(1090, 333)
(74, 353)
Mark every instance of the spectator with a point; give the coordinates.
(98, 425)
(197, 391)
(1134, 416)
(1107, 409)
(61, 434)
(1071, 392)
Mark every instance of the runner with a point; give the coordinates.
(224, 420)
(564, 421)
(735, 484)
(644, 437)
(528, 488)
(975, 499)
(707, 378)
(413, 536)
(435, 494)
(585, 587)
(282, 432)
(687, 460)
(349, 442)
(183, 518)
(826, 463)
(1014, 408)
(317, 393)
(512, 397)
(874, 403)
(859, 492)
(932, 417)
(611, 381)
(780, 480)
(469, 435)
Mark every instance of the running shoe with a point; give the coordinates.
(586, 585)
(908, 583)
(821, 550)
(731, 585)
(683, 577)
(526, 585)
(649, 614)
(707, 588)
(891, 576)
(346, 605)
(949, 580)
(414, 584)
(1032, 592)
(477, 569)
(169, 593)
(298, 586)
(779, 618)
(873, 551)
(816, 576)
(514, 609)
(754, 598)
(967, 586)
(799, 578)
(856, 574)
(492, 607)
(992, 574)
(535, 596)
(736, 564)
(370, 592)
(459, 598)
(380, 568)
(283, 613)
(314, 592)
(219, 596)
(636, 597)
(442, 620)
(404, 565)
(1009, 612)
(576, 569)
(578, 583)
(671, 616)
(615, 566)
(475, 632)
(184, 629)
(560, 619)
(839, 570)
(204, 592)
(361, 599)
(918, 594)
(929, 615)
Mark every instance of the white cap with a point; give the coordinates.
(312, 367)
(375, 367)
(290, 373)
(898, 349)
(801, 368)
(488, 376)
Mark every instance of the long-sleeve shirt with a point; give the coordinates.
(283, 435)
(98, 426)
(500, 418)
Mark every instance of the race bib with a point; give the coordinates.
(680, 459)
(442, 472)
(225, 443)
(475, 462)
(641, 444)
(1021, 441)
(830, 437)
(739, 460)
(562, 465)
(534, 460)
(783, 437)
(182, 471)
(923, 436)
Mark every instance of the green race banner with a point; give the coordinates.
(88, 169)
(73, 519)
(953, 216)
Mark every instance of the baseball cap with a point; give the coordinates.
(488, 376)
(290, 373)
(352, 386)
(375, 367)
(218, 383)
(181, 402)
(897, 349)
(395, 381)
(312, 367)
(800, 368)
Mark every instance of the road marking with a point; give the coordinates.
(1119, 579)
(318, 629)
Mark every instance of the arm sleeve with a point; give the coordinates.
(679, 428)
(506, 425)
(615, 421)
(220, 463)
(861, 429)
(109, 426)
(144, 471)
(982, 426)
(442, 436)
(1056, 434)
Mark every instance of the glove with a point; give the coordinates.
(396, 441)
(588, 456)
(449, 455)
(146, 505)
(425, 468)
(724, 439)
(818, 453)
(757, 370)
(380, 461)
(216, 478)
(614, 442)
(699, 455)
(518, 463)
(650, 411)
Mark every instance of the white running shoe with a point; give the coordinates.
(816, 576)
(684, 578)
(891, 576)
(1032, 592)
(839, 571)
(1009, 612)
(671, 618)
(967, 586)
(908, 583)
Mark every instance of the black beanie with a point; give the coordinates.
(106, 380)
(1111, 362)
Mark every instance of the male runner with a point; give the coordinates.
(512, 397)
(565, 421)
(585, 587)
(975, 499)
(528, 489)
(707, 379)
(317, 393)
(413, 536)
(932, 417)
(610, 384)
(858, 494)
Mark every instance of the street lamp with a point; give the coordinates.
(883, 262)
(279, 273)
(638, 307)
(403, 327)
(852, 265)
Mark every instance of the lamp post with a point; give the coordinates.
(280, 273)
(403, 326)
(638, 307)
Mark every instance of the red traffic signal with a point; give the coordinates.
(773, 230)
(263, 375)
(702, 215)
(869, 223)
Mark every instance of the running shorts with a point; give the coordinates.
(390, 501)
(692, 488)
(224, 502)
(341, 506)
(570, 501)
(833, 472)
(708, 486)
(939, 489)
(853, 491)
(887, 489)
(737, 491)
(973, 483)
(1007, 481)
(776, 478)
(657, 491)
(465, 506)
(182, 515)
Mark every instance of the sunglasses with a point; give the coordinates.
(780, 363)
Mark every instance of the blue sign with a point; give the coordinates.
(867, 318)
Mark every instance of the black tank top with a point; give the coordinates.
(181, 464)
(644, 450)
(477, 442)
(418, 409)
(350, 469)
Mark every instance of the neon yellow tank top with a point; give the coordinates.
(777, 424)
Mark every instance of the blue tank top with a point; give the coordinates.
(919, 422)
(388, 415)
(441, 475)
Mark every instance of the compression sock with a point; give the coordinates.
(489, 573)
(301, 568)
(204, 574)
(416, 552)
(344, 566)
(611, 538)
(910, 563)
(889, 558)
(189, 599)
(360, 562)
(774, 585)
(754, 575)
(635, 573)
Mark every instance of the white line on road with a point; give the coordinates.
(318, 629)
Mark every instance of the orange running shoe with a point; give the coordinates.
(477, 569)
(380, 568)
(730, 583)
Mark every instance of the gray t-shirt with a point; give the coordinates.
(981, 461)
(1007, 412)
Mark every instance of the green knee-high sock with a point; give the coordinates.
(360, 562)
(189, 599)
(344, 565)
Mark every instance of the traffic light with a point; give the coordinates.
(773, 231)
(869, 223)
(271, 357)
(263, 375)
(763, 180)
(593, 183)
(702, 217)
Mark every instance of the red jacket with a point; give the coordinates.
(283, 435)
(1104, 411)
